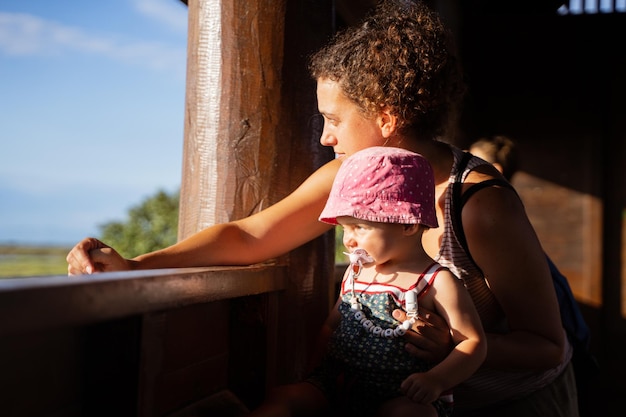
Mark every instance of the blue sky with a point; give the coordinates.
(91, 112)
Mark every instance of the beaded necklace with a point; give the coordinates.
(357, 258)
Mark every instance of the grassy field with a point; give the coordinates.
(25, 261)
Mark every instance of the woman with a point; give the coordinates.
(395, 81)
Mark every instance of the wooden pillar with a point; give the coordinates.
(235, 54)
(250, 141)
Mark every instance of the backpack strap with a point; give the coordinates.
(494, 182)
(459, 198)
(456, 204)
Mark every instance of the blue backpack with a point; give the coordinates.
(573, 321)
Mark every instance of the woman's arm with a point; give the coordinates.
(504, 245)
(274, 231)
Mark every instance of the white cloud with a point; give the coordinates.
(28, 35)
(168, 12)
(21, 34)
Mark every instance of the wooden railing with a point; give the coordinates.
(143, 343)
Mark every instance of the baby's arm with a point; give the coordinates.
(454, 304)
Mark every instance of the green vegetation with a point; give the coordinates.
(151, 225)
(26, 261)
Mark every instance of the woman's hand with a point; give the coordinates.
(91, 255)
(431, 339)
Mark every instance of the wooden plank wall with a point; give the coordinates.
(141, 343)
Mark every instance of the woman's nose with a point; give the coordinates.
(327, 139)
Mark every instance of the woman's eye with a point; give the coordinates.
(331, 121)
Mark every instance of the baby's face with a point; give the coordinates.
(378, 240)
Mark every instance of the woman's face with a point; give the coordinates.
(346, 128)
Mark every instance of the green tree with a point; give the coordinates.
(151, 225)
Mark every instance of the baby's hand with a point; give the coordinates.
(421, 388)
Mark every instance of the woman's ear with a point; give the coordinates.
(388, 123)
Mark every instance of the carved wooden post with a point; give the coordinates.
(249, 139)
(235, 55)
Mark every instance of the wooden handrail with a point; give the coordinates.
(38, 303)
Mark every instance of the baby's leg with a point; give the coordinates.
(404, 407)
(301, 399)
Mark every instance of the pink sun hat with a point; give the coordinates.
(385, 185)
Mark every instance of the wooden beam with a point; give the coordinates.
(235, 58)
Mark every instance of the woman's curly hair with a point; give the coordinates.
(401, 58)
